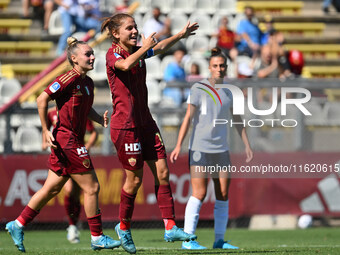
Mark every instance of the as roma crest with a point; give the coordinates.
(132, 161)
(87, 163)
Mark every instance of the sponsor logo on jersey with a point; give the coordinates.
(132, 161)
(87, 163)
(117, 55)
(132, 147)
(82, 151)
(54, 87)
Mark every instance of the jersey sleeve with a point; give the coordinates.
(194, 97)
(59, 86)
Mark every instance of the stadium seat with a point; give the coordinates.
(27, 139)
(202, 63)
(277, 7)
(332, 111)
(209, 7)
(144, 6)
(22, 70)
(4, 4)
(227, 6)
(302, 29)
(178, 21)
(204, 22)
(154, 92)
(164, 5)
(321, 72)
(99, 69)
(8, 88)
(186, 6)
(153, 66)
(30, 48)
(55, 26)
(16, 120)
(234, 20)
(15, 26)
(316, 51)
(197, 44)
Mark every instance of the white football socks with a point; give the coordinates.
(95, 238)
(192, 214)
(221, 216)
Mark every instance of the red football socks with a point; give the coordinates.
(166, 205)
(72, 207)
(127, 203)
(95, 225)
(27, 215)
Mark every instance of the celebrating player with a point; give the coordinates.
(73, 92)
(71, 188)
(133, 131)
(208, 147)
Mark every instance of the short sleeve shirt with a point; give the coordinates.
(129, 91)
(205, 137)
(74, 98)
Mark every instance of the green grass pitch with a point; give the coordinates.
(150, 241)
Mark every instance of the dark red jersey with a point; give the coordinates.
(52, 119)
(74, 98)
(129, 91)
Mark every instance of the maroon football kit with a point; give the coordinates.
(133, 130)
(74, 98)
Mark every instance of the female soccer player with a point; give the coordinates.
(73, 92)
(71, 188)
(133, 131)
(208, 147)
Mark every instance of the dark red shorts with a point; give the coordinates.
(136, 145)
(70, 161)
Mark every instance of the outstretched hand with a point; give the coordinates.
(189, 29)
(150, 41)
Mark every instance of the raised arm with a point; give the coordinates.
(183, 132)
(126, 64)
(42, 103)
(165, 44)
(243, 134)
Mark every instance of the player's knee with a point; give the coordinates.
(200, 194)
(223, 196)
(93, 190)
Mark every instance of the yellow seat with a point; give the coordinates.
(304, 29)
(25, 48)
(273, 7)
(321, 72)
(15, 26)
(21, 70)
(316, 51)
(4, 4)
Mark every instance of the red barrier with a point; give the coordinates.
(23, 175)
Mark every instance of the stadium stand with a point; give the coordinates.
(27, 139)
(8, 88)
(15, 26)
(4, 4)
(31, 48)
(277, 7)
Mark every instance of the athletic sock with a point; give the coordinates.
(95, 238)
(72, 207)
(19, 224)
(27, 215)
(95, 225)
(221, 216)
(127, 204)
(166, 205)
(192, 214)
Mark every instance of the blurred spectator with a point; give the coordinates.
(83, 14)
(154, 24)
(124, 7)
(195, 73)
(47, 5)
(225, 37)
(174, 72)
(232, 70)
(250, 34)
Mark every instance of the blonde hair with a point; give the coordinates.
(72, 43)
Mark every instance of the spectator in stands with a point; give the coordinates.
(175, 72)
(47, 5)
(208, 147)
(226, 38)
(81, 14)
(296, 62)
(250, 34)
(155, 24)
(71, 188)
(73, 92)
(195, 73)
